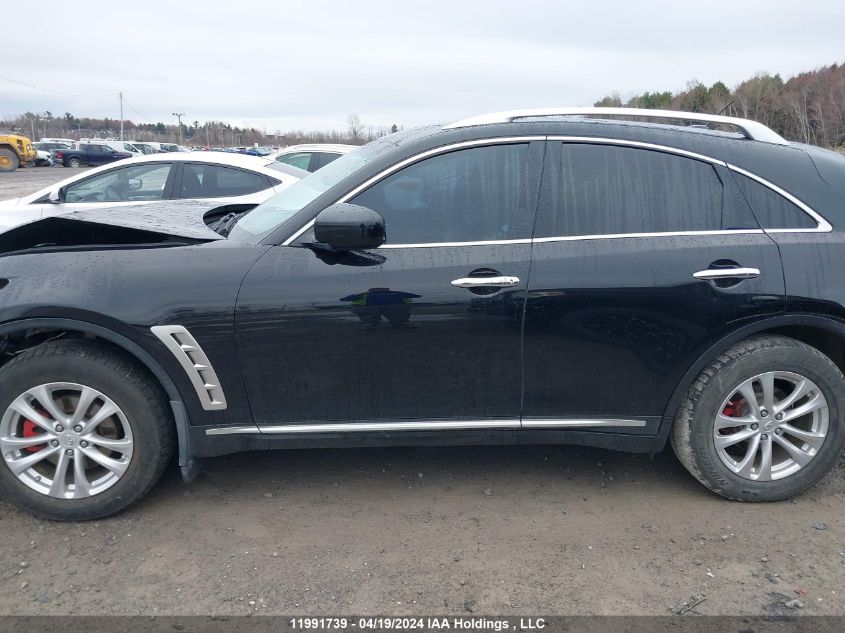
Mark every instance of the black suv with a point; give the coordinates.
(545, 276)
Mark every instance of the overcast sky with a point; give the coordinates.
(291, 64)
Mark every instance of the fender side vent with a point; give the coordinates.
(196, 364)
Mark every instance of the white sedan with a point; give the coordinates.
(211, 176)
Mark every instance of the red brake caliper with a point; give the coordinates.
(732, 409)
(31, 429)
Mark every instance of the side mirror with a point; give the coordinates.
(347, 227)
(55, 196)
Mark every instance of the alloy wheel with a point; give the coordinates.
(771, 426)
(66, 440)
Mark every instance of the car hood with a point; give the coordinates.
(179, 218)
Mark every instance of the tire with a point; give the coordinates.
(142, 423)
(795, 369)
(73, 162)
(9, 161)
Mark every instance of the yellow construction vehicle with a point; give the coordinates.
(15, 150)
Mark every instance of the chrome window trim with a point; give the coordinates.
(823, 226)
(423, 425)
(599, 140)
(578, 238)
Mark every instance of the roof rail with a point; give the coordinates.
(751, 129)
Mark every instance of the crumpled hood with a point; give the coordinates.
(180, 218)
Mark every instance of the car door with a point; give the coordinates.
(424, 330)
(208, 181)
(642, 259)
(94, 154)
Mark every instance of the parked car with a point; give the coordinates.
(45, 157)
(88, 154)
(145, 148)
(519, 277)
(119, 146)
(61, 141)
(50, 146)
(157, 147)
(236, 180)
(311, 157)
(259, 151)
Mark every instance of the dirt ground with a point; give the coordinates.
(457, 530)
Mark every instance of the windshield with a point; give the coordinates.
(283, 206)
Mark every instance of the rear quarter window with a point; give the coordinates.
(772, 210)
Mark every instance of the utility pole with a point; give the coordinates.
(121, 115)
(179, 116)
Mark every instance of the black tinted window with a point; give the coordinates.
(215, 181)
(605, 190)
(468, 195)
(773, 211)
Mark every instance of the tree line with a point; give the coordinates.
(808, 108)
(208, 133)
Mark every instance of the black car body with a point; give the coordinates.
(574, 281)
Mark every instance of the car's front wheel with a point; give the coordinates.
(84, 431)
(762, 421)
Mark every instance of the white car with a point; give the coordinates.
(45, 158)
(228, 178)
(312, 156)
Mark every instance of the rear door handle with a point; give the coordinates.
(727, 273)
(502, 281)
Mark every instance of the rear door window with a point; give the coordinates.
(614, 190)
(322, 159)
(300, 159)
(216, 181)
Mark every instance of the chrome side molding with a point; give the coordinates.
(421, 425)
(195, 363)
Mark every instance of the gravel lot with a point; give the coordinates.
(484, 530)
(25, 181)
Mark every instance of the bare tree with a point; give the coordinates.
(355, 127)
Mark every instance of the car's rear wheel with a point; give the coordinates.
(762, 421)
(74, 162)
(84, 431)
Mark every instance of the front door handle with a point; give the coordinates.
(502, 281)
(727, 273)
